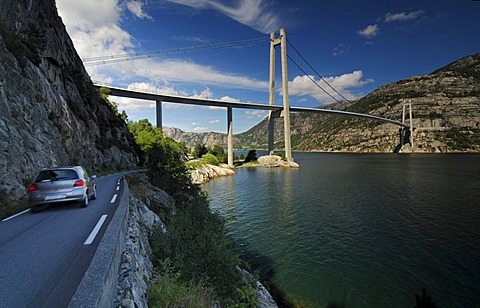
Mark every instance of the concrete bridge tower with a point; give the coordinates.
(282, 41)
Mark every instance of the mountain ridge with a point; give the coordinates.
(446, 112)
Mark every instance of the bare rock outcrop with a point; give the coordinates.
(207, 172)
(270, 161)
(50, 112)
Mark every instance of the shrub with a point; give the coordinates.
(195, 243)
(199, 150)
(198, 248)
(251, 156)
(169, 291)
(168, 172)
(211, 159)
(194, 164)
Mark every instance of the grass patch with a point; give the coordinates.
(195, 164)
(170, 291)
(251, 164)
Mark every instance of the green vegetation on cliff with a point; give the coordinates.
(195, 246)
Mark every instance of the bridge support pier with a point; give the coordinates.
(230, 136)
(158, 105)
(409, 105)
(405, 132)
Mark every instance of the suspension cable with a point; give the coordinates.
(321, 78)
(145, 55)
(311, 79)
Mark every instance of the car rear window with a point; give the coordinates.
(57, 175)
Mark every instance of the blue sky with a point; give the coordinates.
(357, 46)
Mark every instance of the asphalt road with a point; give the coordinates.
(43, 256)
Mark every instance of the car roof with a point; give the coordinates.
(76, 168)
(65, 167)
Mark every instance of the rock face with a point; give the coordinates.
(207, 172)
(270, 161)
(190, 139)
(50, 112)
(136, 268)
(264, 298)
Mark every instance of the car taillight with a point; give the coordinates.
(32, 187)
(78, 183)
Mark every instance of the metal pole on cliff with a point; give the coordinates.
(286, 105)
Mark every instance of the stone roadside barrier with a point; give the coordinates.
(98, 286)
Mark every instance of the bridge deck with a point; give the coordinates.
(218, 103)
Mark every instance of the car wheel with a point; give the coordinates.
(85, 201)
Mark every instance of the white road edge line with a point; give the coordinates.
(114, 198)
(95, 230)
(118, 187)
(18, 214)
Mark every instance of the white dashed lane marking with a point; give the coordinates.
(95, 230)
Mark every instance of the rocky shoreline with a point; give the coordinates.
(136, 269)
(272, 161)
(207, 172)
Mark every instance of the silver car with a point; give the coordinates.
(61, 184)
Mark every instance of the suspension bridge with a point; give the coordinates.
(275, 111)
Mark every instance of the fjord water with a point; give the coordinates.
(365, 230)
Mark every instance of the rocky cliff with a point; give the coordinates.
(50, 113)
(209, 139)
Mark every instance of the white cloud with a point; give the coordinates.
(194, 123)
(136, 105)
(229, 99)
(95, 28)
(205, 94)
(131, 104)
(256, 114)
(185, 71)
(303, 85)
(199, 129)
(213, 108)
(214, 121)
(252, 13)
(369, 31)
(136, 8)
(403, 16)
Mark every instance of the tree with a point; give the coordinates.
(211, 159)
(145, 134)
(104, 92)
(251, 156)
(199, 150)
(219, 152)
